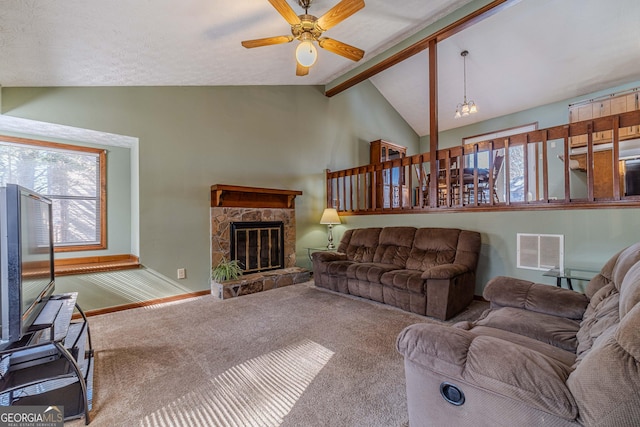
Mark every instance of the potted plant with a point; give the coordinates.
(226, 270)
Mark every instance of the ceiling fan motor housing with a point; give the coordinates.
(308, 24)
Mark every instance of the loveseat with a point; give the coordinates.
(540, 355)
(429, 271)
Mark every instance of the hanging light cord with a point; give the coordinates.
(464, 61)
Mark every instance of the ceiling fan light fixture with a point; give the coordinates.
(306, 53)
(308, 29)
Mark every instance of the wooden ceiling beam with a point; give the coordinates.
(442, 34)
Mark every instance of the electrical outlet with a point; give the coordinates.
(182, 273)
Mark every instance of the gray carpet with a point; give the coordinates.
(294, 356)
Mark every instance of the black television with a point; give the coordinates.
(26, 260)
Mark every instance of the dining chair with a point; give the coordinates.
(484, 192)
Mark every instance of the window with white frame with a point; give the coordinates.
(73, 177)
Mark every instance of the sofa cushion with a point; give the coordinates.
(409, 280)
(614, 270)
(606, 384)
(369, 271)
(344, 241)
(606, 308)
(563, 356)
(557, 331)
(625, 261)
(508, 291)
(498, 366)
(630, 290)
(337, 268)
(601, 314)
(468, 250)
(603, 278)
(362, 244)
(394, 245)
(433, 246)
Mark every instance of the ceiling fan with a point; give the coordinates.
(307, 28)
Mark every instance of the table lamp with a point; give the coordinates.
(330, 217)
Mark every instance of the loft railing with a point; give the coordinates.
(578, 165)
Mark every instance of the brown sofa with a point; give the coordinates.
(540, 355)
(429, 271)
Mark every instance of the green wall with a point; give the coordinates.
(285, 137)
(193, 137)
(591, 236)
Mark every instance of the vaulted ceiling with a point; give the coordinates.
(532, 53)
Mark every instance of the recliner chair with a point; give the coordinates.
(541, 355)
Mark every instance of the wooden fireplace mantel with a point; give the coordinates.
(235, 196)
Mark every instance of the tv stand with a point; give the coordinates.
(51, 365)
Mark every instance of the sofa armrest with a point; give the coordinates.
(328, 256)
(504, 291)
(449, 289)
(483, 364)
(445, 271)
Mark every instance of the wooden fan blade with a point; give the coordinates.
(285, 10)
(339, 13)
(342, 49)
(267, 41)
(301, 70)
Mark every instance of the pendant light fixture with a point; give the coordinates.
(466, 108)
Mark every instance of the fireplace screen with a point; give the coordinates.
(258, 246)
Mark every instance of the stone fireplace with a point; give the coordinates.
(257, 227)
(257, 245)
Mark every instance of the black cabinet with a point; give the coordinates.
(53, 364)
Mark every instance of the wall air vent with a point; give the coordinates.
(540, 251)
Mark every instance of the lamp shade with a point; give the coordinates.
(330, 216)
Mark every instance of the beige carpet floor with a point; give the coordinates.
(294, 356)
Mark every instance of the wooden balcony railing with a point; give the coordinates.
(562, 167)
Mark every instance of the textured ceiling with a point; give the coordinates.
(186, 42)
(532, 53)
